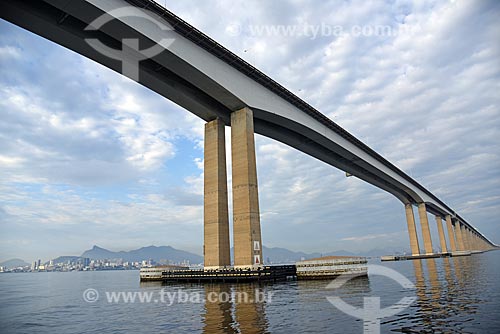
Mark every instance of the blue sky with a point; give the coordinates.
(89, 157)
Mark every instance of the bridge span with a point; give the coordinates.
(208, 80)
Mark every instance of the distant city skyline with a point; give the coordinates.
(91, 158)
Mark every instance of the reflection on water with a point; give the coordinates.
(294, 306)
(446, 297)
(235, 308)
(218, 316)
(454, 295)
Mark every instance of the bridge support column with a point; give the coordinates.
(458, 234)
(412, 230)
(246, 217)
(216, 222)
(451, 235)
(463, 229)
(424, 224)
(442, 239)
(467, 242)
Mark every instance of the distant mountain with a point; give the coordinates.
(384, 251)
(99, 253)
(14, 263)
(65, 259)
(283, 255)
(158, 254)
(342, 253)
(277, 255)
(164, 254)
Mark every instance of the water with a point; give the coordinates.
(456, 295)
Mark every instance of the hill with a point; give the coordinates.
(14, 263)
(158, 254)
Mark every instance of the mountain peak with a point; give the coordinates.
(157, 253)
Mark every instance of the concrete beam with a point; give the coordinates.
(246, 216)
(216, 247)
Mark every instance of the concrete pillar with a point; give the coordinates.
(466, 237)
(216, 247)
(246, 217)
(442, 239)
(424, 224)
(469, 239)
(451, 235)
(412, 230)
(458, 234)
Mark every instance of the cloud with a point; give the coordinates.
(374, 236)
(93, 155)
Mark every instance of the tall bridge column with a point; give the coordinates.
(481, 243)
(474, 240)
(466, 237)
(451, 234)
(246, 217)
(458, 233)
(471, 240)
(412, 230)
(442, 239)
(424, 224)
(216, 248)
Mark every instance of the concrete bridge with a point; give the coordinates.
(189, 68)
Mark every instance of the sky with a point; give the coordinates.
(88, 157)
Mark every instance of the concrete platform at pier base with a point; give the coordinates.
(461, 253)
(265, 273)
(413, 257)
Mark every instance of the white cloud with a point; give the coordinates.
(426, 99)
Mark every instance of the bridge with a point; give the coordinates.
(194, 71)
